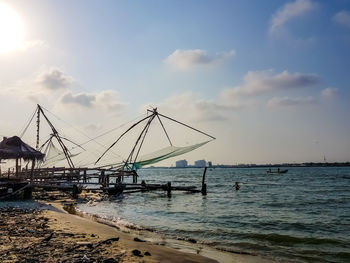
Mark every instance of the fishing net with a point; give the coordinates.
(165, 153)
(53, 155)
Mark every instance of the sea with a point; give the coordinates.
(300, 216)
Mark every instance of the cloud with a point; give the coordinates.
(106, 99)
(54, 79)
(329, 93)
(290, 102)
(187, 59)
(53, 87)
(342, 18)
(289, 12)
(259, 82)
(81, 99)
(190, 107)
(109, 100)
(214, 111)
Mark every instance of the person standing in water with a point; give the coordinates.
(237, 186)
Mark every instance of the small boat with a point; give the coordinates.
(277, 171)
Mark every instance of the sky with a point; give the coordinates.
(269, 79)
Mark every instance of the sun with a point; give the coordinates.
(11, 29)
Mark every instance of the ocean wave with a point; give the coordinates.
(117, 222)
(286, 239)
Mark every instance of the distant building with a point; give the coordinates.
(200, 163)
(210, 164)
(181, 164)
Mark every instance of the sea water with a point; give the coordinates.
(300, 216)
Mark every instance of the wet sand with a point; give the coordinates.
(54, 235)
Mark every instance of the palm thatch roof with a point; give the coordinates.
(15, 148)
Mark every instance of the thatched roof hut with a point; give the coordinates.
(15, 148)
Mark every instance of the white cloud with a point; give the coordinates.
(289, 12)
(187, 59)
(329, 92)
(81, 99)
(53, 87)
(259, 82)
(342, 18)
(109, 100)
(54, 79)
(106, 99)
(214, 111)
(190, 107)
(290, 102)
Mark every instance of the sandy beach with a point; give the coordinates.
(51, 234)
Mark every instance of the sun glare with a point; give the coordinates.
(11, 29)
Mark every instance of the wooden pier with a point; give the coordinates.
(73, 180)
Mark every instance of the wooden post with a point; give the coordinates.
(103, 181)
(204, 185)
(75, 191)
(8, 174)
(143, 184)
(107, 180)
(84, 176)
(169, 189)
(27, 193)
(134, 176)
(32, 171)
(16, 167)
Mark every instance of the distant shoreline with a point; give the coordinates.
(309, 164)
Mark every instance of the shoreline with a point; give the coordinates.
(126, 240)
(181, 245)
(87, 233)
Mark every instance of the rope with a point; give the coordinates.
(87, 136)
(111, 130)
(26, 127)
